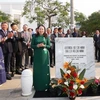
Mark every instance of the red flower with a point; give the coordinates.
(71, 82)
(74, 74)
(72, 94)
(70, 87)
(79, 91)
(64, 89)
(82, 82)
(68, 76)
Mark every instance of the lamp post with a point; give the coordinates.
(72, 14)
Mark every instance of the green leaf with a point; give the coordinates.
(70, 63)
(81, 76)
(89, 82)
(62, 72)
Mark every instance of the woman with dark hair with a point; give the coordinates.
(41, 75)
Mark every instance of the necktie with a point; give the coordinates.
(5, 32)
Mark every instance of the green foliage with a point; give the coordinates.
(4, 17)
(62, 16)
(91, 24)
(79, 17)
(94, 88)
(81, 75)
(89, 82)
(62, 72)
(42, 10)
(16, 21)
(27, 8)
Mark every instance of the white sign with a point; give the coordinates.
(75, 54)
(79, 51)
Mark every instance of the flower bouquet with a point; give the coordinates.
(72, 81)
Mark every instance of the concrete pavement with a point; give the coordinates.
(11, 90)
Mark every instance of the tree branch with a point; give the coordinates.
(52, 15)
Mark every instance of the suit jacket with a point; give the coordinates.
(53, 36)
(69, 35)
(17, 42)
(74, 34)
(96, 39)
(7, 45)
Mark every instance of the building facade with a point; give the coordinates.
(15, 9)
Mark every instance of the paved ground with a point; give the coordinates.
(11, 90)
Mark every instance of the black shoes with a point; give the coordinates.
(26, 67)
(18, 72)
(12, 74)
(51, 65)
(8, 77)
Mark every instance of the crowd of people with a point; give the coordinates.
(15, 46)
(39, 46)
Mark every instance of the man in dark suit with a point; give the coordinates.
(75, 34)
(6, 45)
(68, 34)
(96, 38)
(60, 32)
(16, 56)
(53, 36)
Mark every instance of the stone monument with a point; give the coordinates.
(79, 51)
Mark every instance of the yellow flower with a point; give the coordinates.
(78, 80)
(66, 65)
(60, 81)
(81, 81)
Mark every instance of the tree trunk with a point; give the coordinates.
(49, 21)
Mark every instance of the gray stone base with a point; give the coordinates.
(66, 98)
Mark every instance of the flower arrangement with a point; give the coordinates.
(72, 81)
